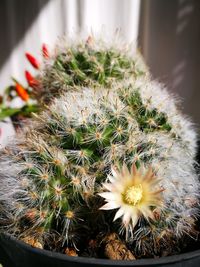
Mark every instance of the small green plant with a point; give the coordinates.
(111, 154)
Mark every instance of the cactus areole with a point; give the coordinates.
(106, 171)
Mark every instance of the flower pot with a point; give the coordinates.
(14, 253)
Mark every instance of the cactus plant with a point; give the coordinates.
(92, 63)
(73, 63)
(111, 154)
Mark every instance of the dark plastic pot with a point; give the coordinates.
(14, 253)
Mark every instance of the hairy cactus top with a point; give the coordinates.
(92, 63)
(124, 154)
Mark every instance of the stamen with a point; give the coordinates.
(133, 195)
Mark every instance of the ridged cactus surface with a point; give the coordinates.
(111, 155)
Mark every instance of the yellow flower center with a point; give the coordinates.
(133, 195)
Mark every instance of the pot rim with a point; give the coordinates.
(92, 261)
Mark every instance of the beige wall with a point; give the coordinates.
(170, 42)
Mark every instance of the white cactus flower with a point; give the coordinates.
(134, 193)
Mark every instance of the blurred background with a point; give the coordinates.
(167, 34)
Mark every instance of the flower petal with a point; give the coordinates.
(108, 186)
(146, 212)
(118, 214)
(134, 171)
(110, 206)
(125, 171)
(115, 173)
(108, 195)
(111, 178)
(126, 218)
(149, 175)
(134, 220)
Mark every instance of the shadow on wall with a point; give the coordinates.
(16, 12)
(170, 40)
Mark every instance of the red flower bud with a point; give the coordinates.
(45, 51)
(22, 93)
(34, 62)
(32, 82)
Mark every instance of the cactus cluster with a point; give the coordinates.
(111, 154)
